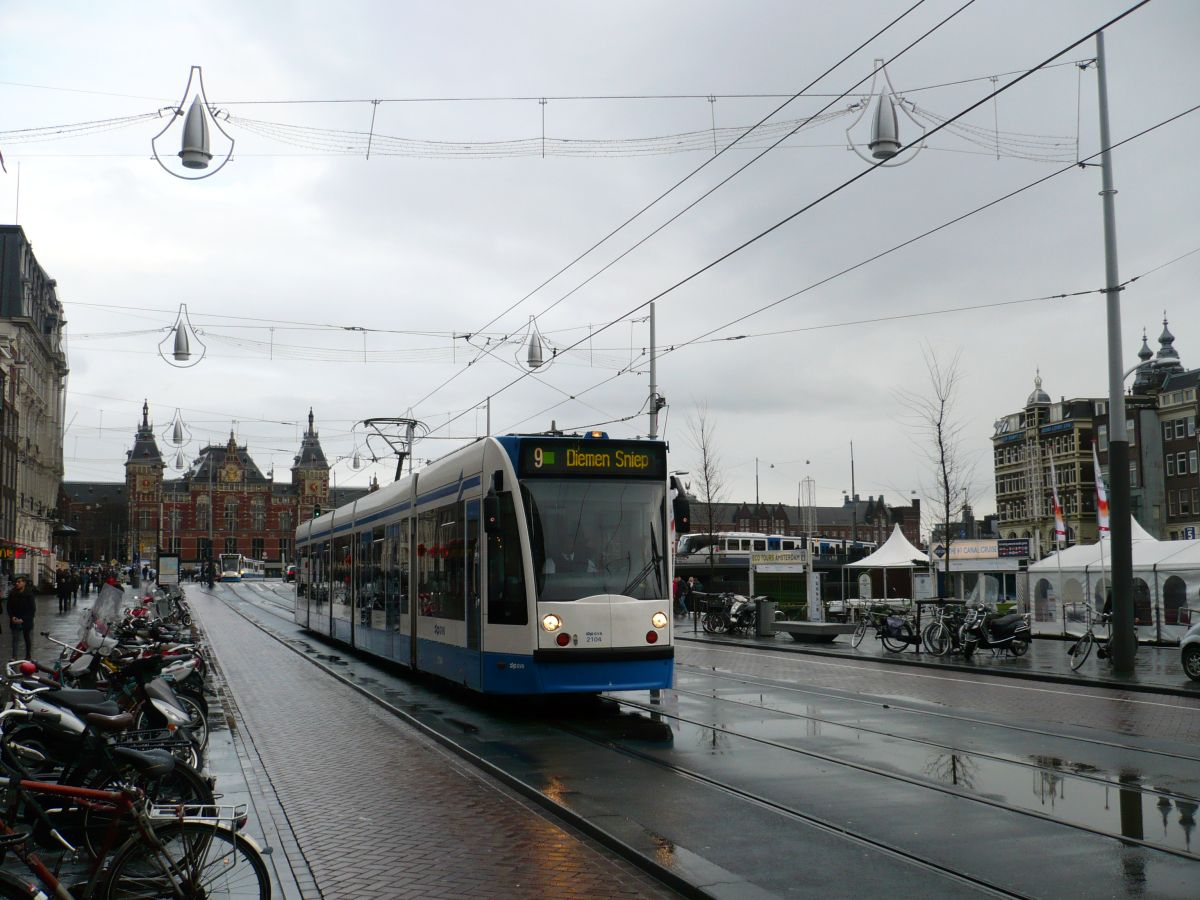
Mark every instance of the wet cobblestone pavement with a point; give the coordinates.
(377, 810)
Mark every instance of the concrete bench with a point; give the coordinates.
(817, 632)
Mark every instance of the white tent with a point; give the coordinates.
(896, 553)
(1165, 575)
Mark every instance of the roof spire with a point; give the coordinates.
(1145, 353)
(310, 421)
(146, 414)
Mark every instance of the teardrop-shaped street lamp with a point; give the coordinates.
(179, 460)
(195, 153)
(535, 356)
(182, 333)
(885, 142)
(177, 434)
(356, 460)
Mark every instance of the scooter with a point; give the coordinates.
(982, 628)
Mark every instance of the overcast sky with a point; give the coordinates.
(295, 229)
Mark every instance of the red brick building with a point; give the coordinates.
(223, 503)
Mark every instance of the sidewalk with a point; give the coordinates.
(1157, 669)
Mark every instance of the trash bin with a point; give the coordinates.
(765, 617)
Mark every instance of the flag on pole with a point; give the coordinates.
(1060, 528)
(1101, 497)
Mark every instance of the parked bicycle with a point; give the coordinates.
(149, 851)
(895, 631)
(1082, 648)
(941, 635)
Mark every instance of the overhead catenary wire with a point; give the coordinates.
(842, 186)
(684, 180)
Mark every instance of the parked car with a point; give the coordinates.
(289, 574)
(1190, 651)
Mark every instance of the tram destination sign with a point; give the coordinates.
(604, 459)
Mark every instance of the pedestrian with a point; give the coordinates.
(62, 587)
(692, 587)
(677, 596)
(75, 582)
(22, 604)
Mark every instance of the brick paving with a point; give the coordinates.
(378, 810)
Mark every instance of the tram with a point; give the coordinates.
(229, 567)
(521, 564)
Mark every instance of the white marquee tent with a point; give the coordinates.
(1166, 586)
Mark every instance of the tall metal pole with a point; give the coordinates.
(853, 500)
(1124, 644)
(653, 381)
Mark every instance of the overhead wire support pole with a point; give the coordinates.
(653, 433)
(371, 134)
(1124, 638)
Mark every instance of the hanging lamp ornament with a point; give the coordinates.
(183, 333)
(180, 434)
(884, 142)
(535, 346)
(195, 140)
(180, 462)
(356, 460)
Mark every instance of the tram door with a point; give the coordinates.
(473, 547)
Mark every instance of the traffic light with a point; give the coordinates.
(316, 510)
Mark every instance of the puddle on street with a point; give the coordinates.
(1118, 803)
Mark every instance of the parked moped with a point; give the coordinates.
(983, 628)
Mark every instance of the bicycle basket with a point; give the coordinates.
(893, 626)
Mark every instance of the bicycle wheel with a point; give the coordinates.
(1019, 647)
(183, 785)
(1080, 650)
(13, 888)
(897, 643)
(860, 632)
(197, 725)
(197, 861)
(936, 639)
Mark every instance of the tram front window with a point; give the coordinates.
(596, 537)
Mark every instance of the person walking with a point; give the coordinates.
(677, 595)
(22, 604)
(62, 587)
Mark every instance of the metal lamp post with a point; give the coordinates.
(1124, 638)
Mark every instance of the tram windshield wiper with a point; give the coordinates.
(652, 566)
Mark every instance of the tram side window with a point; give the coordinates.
(441, 563)
(342, 563)
(506, 601)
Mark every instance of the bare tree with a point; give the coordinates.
(710, 479)
(937, 432)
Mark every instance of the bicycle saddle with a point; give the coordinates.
(151, 763)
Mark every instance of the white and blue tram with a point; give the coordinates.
(521, 564)
(229, 567)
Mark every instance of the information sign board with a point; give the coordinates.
(168, 570)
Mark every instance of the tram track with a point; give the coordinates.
(845, 697)
(820, 819)
(889, 775)
(977, 754)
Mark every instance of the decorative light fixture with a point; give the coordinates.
(180, 462)
(180, 434)
(885, 142)
(195, 153)
(184, 333)
(535, 344)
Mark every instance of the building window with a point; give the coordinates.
(144, 520)
(1133, 481)
(1192, 461)
(1179, 426)
(257, 548)
(1102, 436)
(258, 512)
(1181, 464)
(1170, 464)
(285, 521)
(1191, 426)
(202, 519)
(231, 509)
(1131, 432)
(1168, 431)
(1185, 508)
(285, 549)
(1170, 503)
(231, 545)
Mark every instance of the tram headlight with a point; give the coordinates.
(659, 620)
(551, 622)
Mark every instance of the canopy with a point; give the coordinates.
(896, 553)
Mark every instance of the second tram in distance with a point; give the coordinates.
(521, 564)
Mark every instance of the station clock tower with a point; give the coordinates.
(310, 475)
(143, 485)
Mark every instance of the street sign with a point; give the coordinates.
(777, 561)
(1189, 533)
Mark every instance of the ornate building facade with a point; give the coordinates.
(222, 503)
(1161, 412)
(33, 373)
